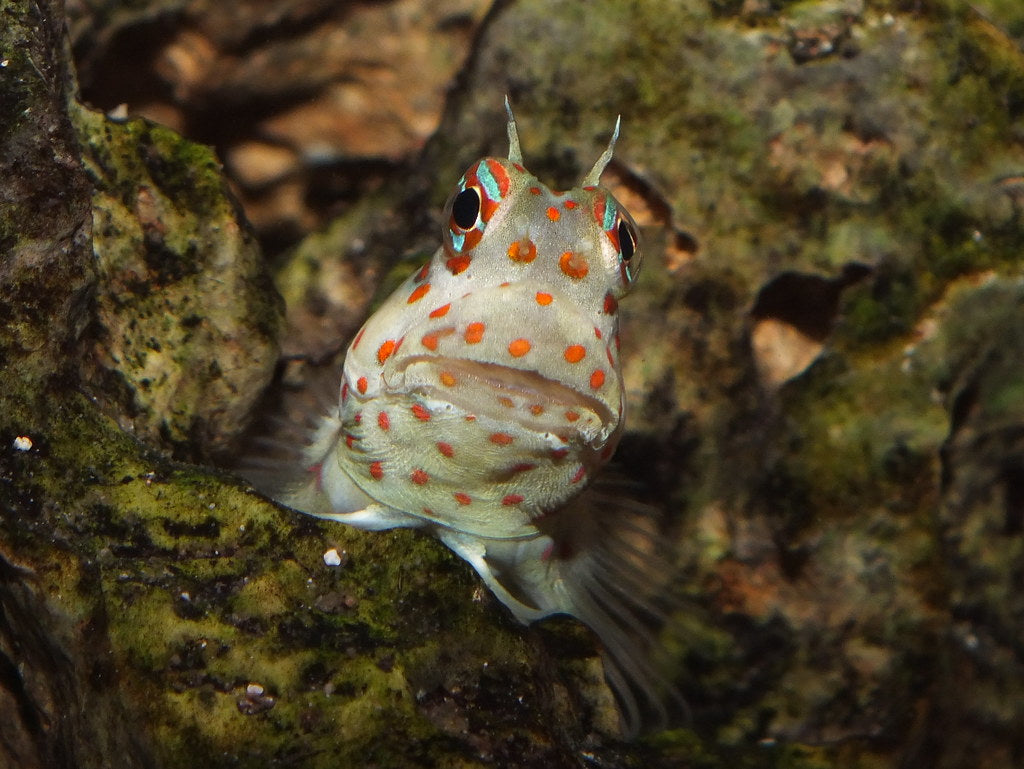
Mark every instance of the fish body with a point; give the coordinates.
(480, 400)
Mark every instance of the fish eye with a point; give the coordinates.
(466, 208)
(627, 240)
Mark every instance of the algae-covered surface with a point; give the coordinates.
(823, 358)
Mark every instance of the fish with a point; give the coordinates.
(482, 398)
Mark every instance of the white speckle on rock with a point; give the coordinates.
(332, 557)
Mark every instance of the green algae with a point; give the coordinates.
(187, 318)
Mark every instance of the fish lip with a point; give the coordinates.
(514, 382)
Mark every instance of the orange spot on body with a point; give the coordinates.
(445, 448)
(500, 439)
(559, 453)
(535, 190)
(422, 274)
(523, 250)
(376, 471)
(419, 477)
(385, 350)
(458, 264)
(420, 413)
(522, 467)
(462, 499)
(344, 391)
(553, 214)
(441, 311)
(361, 384)
(350, 440)
(511, 499)
(544, 299)
(358, 417)
(574, 353)
(574, 265)
(570, 204)
(610, 304)
(507, 402)
(418, 293)
(517, 348)
(474, 333)
(429, 341)
(596, 379)
(383, 421)
(447, 378)
(536, 409)
(572, 416)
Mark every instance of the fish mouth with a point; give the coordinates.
(525, 396)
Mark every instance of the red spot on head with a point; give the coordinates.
(574, 353)
(361, 384)
(445, 448)
(519, 168)
(349, 440)
(579, 475)
(523, 250)
(422, 274)
(441, 311)
(462, 499)
(418, 293)
(511, 499)
(384, 351)
(458, 264)
(570, 204)
(358, 417)
(559, 453)
(574, 265)
(383, 421)
(517, 348)
(376, 471)
(359, 337)
(535, 190)
(421, 413)
(419, 477)
(610, 304)
(522, 467)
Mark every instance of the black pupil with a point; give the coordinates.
(627, 243)
(466, 208)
